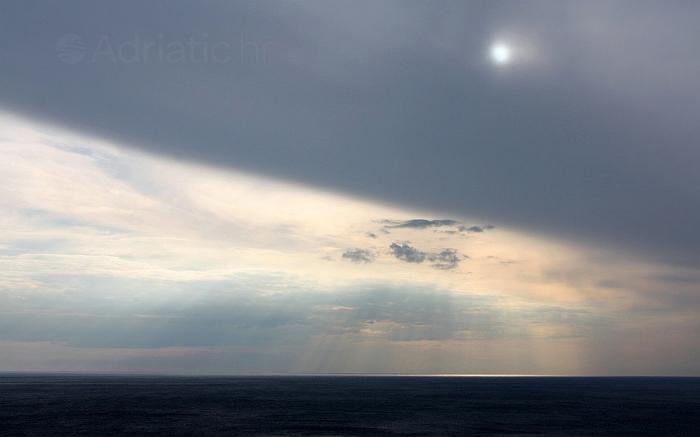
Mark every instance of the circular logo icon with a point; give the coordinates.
(70, 49)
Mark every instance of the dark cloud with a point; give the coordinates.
(359, 255)
(575, 142)
(446, 260)
(419, 223)
(449, 231)
(371, 235)
(476, 229)
(408, 253)
(453, 226)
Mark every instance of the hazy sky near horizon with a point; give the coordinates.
(116, 260)
(332, 186)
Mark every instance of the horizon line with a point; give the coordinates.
(328, 374)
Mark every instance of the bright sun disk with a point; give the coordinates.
(500, 53)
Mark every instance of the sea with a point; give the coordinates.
(347, 405)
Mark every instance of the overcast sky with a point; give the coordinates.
(499, 186)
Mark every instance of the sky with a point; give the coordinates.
(496, 187)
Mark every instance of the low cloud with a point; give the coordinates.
(408, 253)
(359, 255)
(444, 260)
(452, 226)
(419, 223)
(476, 229)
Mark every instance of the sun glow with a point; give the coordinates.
(500, 53)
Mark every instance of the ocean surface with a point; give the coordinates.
(79, 405)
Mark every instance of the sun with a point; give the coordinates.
(500, 53)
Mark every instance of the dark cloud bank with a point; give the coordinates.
(594, 138)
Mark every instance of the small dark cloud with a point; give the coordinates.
(419, 223)
(371, 235)
(476, 229)
(359, 255)
(446, 260)
(408, 253)
(447, 226)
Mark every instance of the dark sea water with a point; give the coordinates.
(33, 405)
